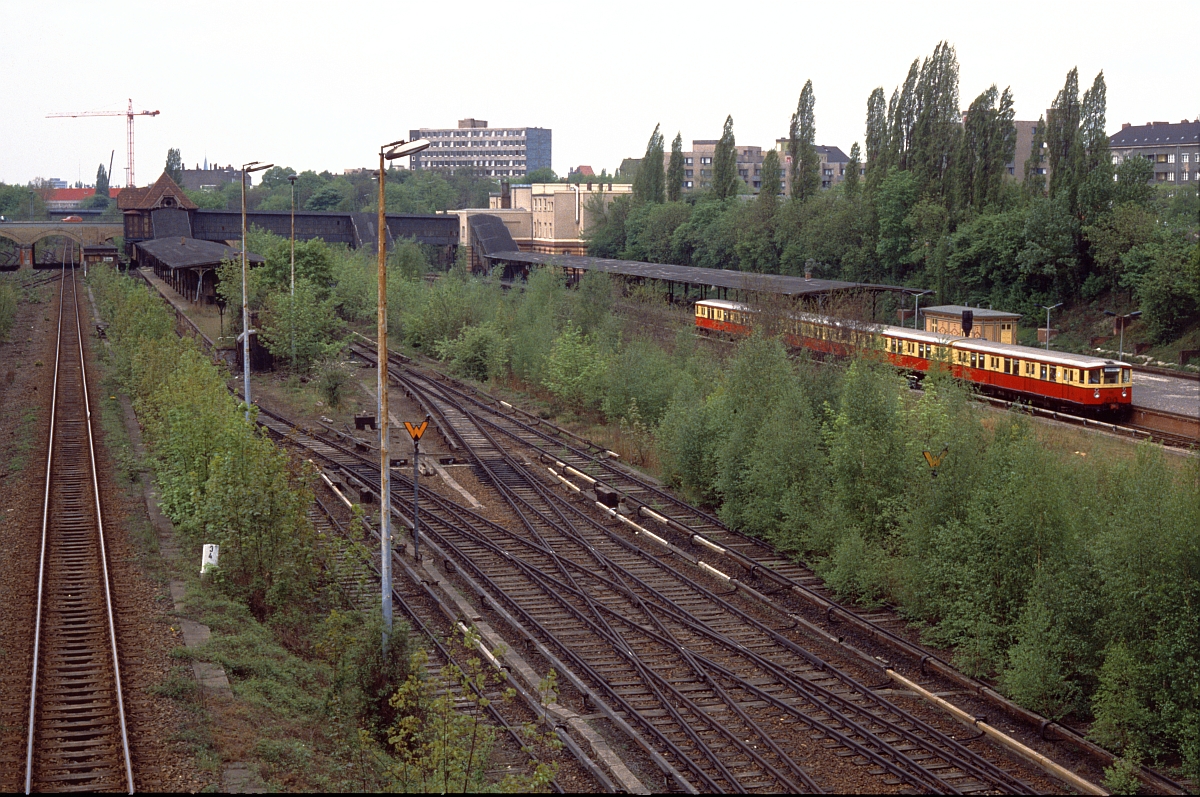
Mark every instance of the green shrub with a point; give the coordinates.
(8, 308)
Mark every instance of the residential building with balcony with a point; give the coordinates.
(489, 151)
(1172, 149)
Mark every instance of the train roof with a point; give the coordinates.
(1029, 353)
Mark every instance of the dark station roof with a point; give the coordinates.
(719, 278)
(181, 252)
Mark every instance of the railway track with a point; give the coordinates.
(758, 568)
(694, 673)
(77, 737)
(357, 593)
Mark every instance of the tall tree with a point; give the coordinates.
(876, 139)
(852, 171)
(986, 146)
(902, 116)
(648, 184)
(1062, 141)
(806, 168)
(768, 192)
(725, 176)
(101, 181)
(174, 167)
(1096, 175)
(675, 170)
(1035, 178)
(936, 127)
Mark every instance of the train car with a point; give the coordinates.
(1069, 382)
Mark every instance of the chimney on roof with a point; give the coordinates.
(1126, 125)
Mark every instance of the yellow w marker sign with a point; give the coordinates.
(935, 460)
(415, 431)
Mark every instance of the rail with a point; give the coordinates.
(77, 735)
(767, 565)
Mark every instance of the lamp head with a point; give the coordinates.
(292, 178)
(259, 168)
(407, 148)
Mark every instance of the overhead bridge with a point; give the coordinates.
(356, 230)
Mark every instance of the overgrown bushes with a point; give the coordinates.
(220, 479)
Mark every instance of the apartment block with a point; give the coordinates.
(489, 151)
(833, 167)
(1172, 149)
(698, 166)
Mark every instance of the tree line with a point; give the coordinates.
(935, 206)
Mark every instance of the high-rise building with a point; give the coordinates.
(489, 151)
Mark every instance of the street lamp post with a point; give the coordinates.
(917, 305)
(1048, 308)
(1122, 320)
(247, 168)
(292, 303)
(396, 149)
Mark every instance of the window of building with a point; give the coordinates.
(687, 172)
(687, 161)
(1171, 158)
(1184, 156)
(687, 184)
(1115, 159)
(1171, 177)
(705, 161)
(1012, 170)
(1160, 157)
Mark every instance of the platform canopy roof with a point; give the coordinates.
(692, 275)
(193, 253)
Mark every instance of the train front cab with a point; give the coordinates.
(1072, 383)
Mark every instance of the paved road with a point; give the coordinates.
(1167, 393)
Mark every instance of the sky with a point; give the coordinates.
(322, 85)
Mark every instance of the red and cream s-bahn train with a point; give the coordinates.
(1069, 382)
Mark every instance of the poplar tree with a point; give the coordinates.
(852, 171)
(768, 193)
(876, 139)
(174, 167)
(101, 181)
(1096, 176)
(1035, 181)
(675, 170)
(1062, 141)
(986, 146)
(648, 183)
(936, 126)
(902, 116)
(806, 176)
(725, 177)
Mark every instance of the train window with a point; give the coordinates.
(1053, 374)
(1043, 370)
(1016, 367)
(1126, 373)
(1007, 365)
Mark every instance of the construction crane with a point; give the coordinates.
(129, 114)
